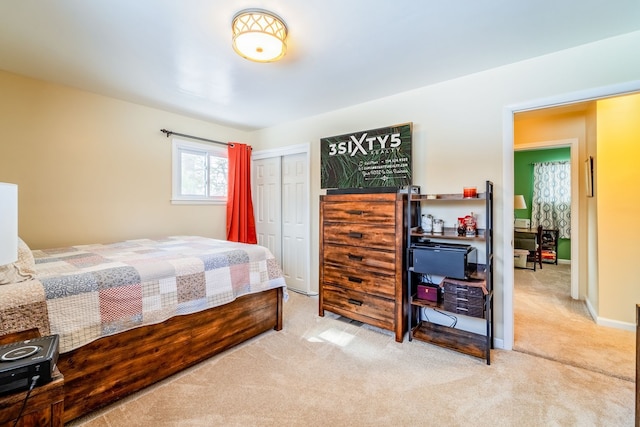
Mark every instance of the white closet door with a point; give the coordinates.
(295, 214)
(281, 203)
(267, 204)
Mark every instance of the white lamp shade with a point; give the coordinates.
(518, 202)
(259, 47)
(259, 35)
(8, 223)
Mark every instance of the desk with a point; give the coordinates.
(527, 239)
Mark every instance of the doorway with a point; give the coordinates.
(280, 181)
(508, 179)
(556, 121)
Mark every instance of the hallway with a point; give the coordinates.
(549, 324)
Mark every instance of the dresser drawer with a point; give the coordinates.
(462, 290)
(359, 306)
(468, 308)
(364, 235)
(360, 212)
(354, 258)
(464, 300)
(359, 280)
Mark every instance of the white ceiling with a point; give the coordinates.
(176, 55)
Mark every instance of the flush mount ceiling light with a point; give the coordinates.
(259, 35)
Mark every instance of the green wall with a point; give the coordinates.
(523, 183)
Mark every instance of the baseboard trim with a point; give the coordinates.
(611, 323)
(603, 321)
(303, 292)
(499, 343)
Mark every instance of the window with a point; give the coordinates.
(551, 204)
(199, 172)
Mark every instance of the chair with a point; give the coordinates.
(537, 254)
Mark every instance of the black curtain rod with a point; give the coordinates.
(169, 133)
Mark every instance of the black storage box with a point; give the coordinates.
(445, 259)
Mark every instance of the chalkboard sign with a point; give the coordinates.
(368, 159)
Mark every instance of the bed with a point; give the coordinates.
(131, 313)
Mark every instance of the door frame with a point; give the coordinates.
(304, 148)
(508, 112)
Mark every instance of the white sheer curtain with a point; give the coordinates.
(551, 204)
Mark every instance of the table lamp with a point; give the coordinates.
(518, 203)
(8, 223)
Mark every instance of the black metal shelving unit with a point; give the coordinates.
(467, 342)
(550, 243)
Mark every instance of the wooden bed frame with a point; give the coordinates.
(113, 367)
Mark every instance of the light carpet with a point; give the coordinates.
(322, 371)
(549, 323)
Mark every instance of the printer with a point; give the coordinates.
(457, 261)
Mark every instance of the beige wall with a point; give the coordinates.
(590, 252)
(617, 181)
(545, 125)
(94, 169)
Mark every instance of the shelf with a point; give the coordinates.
(450, 233)
(421, 329)
(455, 339)
(424, 303)
(549, 246)
(447, 197)
(479, 274)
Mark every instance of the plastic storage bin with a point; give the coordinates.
(520, 258)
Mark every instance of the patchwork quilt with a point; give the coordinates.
(102, 289)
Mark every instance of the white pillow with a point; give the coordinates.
(21, 270)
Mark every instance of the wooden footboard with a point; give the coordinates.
(113, 367)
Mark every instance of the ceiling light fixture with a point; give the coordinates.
(259, 35)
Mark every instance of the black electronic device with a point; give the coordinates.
(451, 260)
(22, 361)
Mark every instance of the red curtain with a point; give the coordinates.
(241, 224)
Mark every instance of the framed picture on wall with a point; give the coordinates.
(375, 158)
(588, 173)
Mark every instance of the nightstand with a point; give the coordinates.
(45, 406)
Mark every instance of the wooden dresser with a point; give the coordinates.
(361, 259)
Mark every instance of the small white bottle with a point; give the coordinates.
(427, 223)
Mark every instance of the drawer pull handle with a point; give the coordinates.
(462, 289)
(355, 302)
(355, 257)
(355, 235)
(462, 299)
(462, 309)
(355, 212)
(355, 279)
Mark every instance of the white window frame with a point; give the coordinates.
(177, 146)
